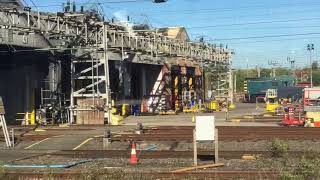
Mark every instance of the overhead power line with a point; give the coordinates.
(22, 0)
(266, 36)
(33, 4)
(260, 6)
(276, 27)
(260, 28)
(274, 40)
(240, 16)
(253, 23)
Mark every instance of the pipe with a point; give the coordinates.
(151, 148)
(48, 166)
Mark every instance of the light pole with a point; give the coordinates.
(247, 72)
(310, 48)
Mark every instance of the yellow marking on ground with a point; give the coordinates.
(83, 143)
(64, 125)
(267, 115)
(98, 136)
(57, 136)
(37, 143)
(39, 130)
(248, 117)
(235, 120)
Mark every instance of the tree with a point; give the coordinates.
(315, 65)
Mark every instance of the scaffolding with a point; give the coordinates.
(90, 75)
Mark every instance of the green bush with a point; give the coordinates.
(288, 175)
(278, 148)
(308, 169)
(305, 169)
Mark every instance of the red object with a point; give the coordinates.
(304, 85)
(133, 159)
(290, 120)
(317, 124)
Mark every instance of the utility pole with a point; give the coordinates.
(258, 71)
(247, 60)
(235, 81)
(291, 61)
(310, 48)
(273, 64)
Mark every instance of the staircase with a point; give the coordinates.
(3, 124)
(161, 92)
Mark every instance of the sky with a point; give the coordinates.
(261, 33)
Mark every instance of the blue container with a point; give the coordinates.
(136, 110)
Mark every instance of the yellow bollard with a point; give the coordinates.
(125, 109)
(193, 119)
(33, 117)
(116, 120)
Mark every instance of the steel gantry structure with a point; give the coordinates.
(91, 42)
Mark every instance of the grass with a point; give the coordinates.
(278, 149)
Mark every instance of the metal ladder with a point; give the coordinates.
(3, 124)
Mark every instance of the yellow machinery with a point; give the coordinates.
(189, 102)
(232, 106)
(125, 109)
(271, 100)
(168, 113)
(115, 118)
(194, 109)
(28, 117)
(212, 105)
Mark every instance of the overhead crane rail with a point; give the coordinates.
(59, 27)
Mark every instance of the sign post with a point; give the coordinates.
(195, 154)
(205, 131)
(216, 146)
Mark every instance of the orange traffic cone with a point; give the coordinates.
(133, 159)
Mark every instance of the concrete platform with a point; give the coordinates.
(185, 119)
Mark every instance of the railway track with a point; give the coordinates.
(77, 174)
(184, 133)
(226, 133)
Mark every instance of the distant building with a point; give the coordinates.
(175, 33)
